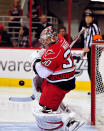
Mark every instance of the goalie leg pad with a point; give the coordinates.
(51, 120)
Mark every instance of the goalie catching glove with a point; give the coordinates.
(36, 57)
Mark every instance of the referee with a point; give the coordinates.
(91, 30)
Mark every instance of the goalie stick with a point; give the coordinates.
(77, 37)
(22, 99)
(32, 97)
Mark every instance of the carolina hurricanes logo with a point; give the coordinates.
(49, 52)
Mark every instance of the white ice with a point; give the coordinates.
(18, 116)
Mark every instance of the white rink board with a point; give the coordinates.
(14, 63)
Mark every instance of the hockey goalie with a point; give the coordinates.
(54, 65)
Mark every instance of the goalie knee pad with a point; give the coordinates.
(52, 120)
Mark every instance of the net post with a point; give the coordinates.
(93, 60)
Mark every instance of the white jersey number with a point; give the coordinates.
(70, 63)
(47, 63)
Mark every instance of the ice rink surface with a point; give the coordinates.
(17, 116)
(32, 127)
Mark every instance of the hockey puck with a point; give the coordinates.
(89, 93)
(21, 83)
(9, 98)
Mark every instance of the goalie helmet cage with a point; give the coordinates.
(97, 84)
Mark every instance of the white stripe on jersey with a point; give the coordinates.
(64, 71)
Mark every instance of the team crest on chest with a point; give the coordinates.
(49, 52)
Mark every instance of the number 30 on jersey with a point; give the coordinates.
(70, 63)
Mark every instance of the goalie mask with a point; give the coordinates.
(48, 36)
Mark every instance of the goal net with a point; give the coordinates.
(97, 84)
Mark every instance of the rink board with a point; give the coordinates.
(12, 82)
(15, 66)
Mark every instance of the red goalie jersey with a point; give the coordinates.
(58, 58)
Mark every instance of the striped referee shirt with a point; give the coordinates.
(89, 33)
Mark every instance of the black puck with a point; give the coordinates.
(89, 93)
(10, 98)
(21, 83)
